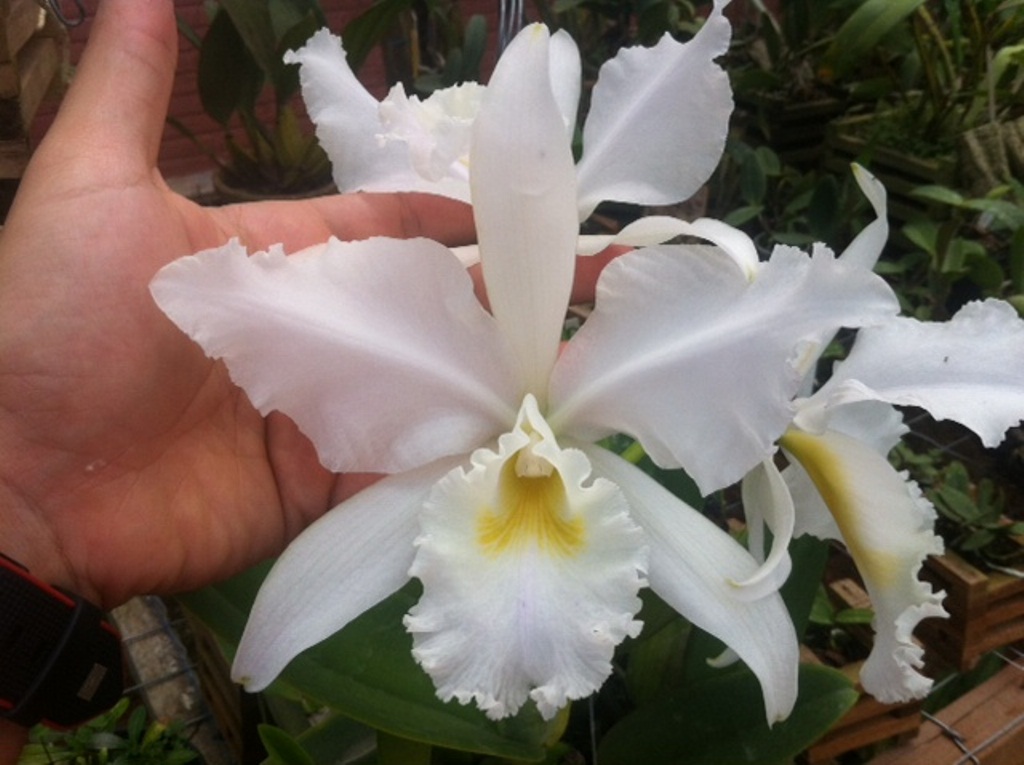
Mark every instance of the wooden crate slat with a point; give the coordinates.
(989, 719)
(986, 610)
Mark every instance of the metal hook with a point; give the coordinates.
(56, 10)
(510, 21)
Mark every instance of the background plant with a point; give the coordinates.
(111, 739)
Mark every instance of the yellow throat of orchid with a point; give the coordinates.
(532, 509)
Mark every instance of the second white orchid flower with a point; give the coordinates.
(646, 104)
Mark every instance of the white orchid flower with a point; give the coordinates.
(840, 485)
(645, 105)
(531, 540)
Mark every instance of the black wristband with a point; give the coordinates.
(60, 659)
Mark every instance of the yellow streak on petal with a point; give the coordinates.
(532, 510)
(836, 486)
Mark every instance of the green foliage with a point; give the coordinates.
(971, 511)
(462, 61)
(781, 53)
(602, 27)
(972, 248)
(776, 203)
(938, 68)
(240, 57)
(721, 720)
(108, 740)
(366, 672)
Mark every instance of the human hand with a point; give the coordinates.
(130, 463)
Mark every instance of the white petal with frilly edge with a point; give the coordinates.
(530, 570)
(700, 364)
(345, 563)
(348, 126)
(694, 566)
(435, 130)
(969, 369)
(887, 526)
(378, 349)
(658, 120)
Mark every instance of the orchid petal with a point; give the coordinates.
(348, 126)
(767, 502)
(657, 229)
(378, 350)
(524, 199)
(876, 425)
(693, 567)
(969, 369)
(346, 562)
(699, 364)
(436, 131)
(658, 120)
(566, 77)
(811, 514)
(886, 525)
(867, 246)
(530, 572)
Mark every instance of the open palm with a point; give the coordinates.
(127, 455)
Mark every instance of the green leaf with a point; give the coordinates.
(753, 181)
(255, 28)
(923, 234)
(720, 720)
(337, 739)
(742, 215)
(939, 194)
(228, 78)
(862, 31)
(855, 616)
(363, 33)
(392, 750)
(823, 613)
(656, 659)
(282, 748)
(367, 672)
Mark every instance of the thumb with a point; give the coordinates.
(112, 119)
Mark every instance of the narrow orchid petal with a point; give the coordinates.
(658, 120)
(658, 229)
(566, 77)
(348, 126)
(969, 369)
(698, 363)
(524, 199)
(378, 350)
(767, 502)
(886, 525)
(693, 567)
(867, 246)
(346, 562)
(530, 571)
